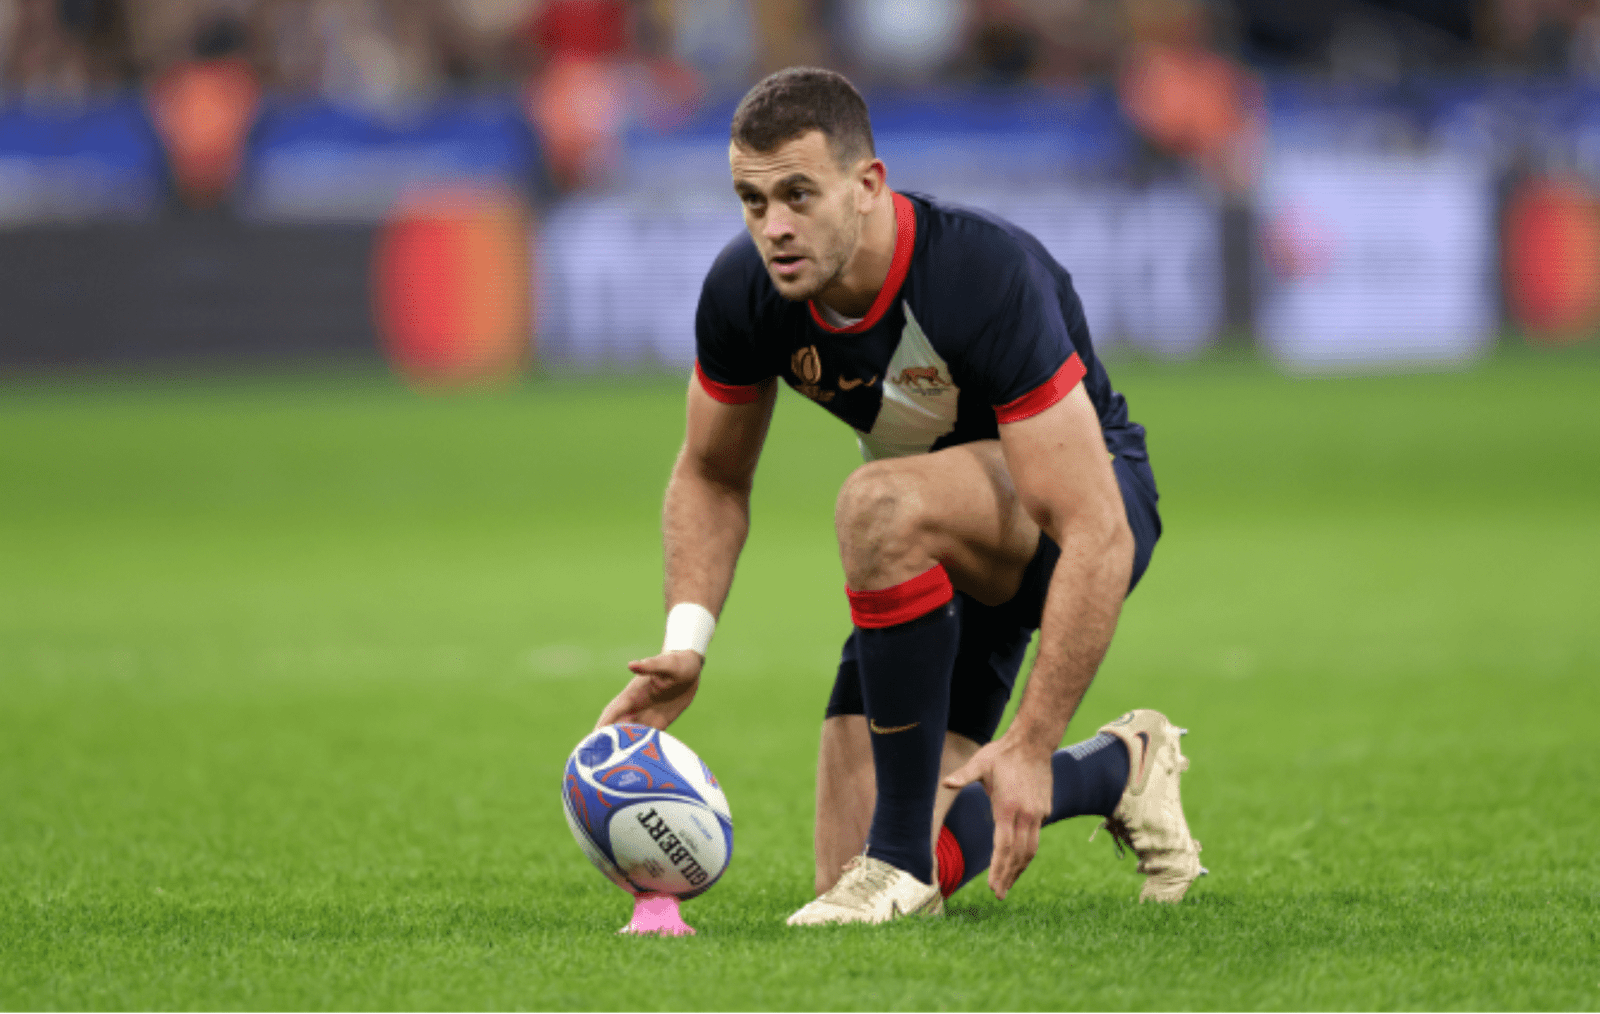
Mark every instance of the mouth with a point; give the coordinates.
(786, 264)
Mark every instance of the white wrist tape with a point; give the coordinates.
(689, 626)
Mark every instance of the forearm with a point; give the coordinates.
(703, 527)
(1080, 615)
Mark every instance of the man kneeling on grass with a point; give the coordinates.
(1005, 490)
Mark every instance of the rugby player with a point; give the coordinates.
(1005, 490)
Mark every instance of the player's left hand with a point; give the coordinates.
(1019, 781)
(662, 687)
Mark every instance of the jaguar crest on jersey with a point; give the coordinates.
(919, 398)
(922, 378)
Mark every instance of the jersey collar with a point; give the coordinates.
(905, 237)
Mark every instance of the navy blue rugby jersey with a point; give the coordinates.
(976, 325)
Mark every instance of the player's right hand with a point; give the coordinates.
(660, 690)
(1016, 775)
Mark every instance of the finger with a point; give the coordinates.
(1000, 878)
(1027, 843)
(978, 768)
(1000, 859)
(1028, 847)
(964, 775)
(672, 665)
(999, 882)
(623, 708)
(1003, 869)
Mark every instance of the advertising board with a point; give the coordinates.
(1376, 260)
(620, 276)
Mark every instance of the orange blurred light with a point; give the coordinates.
(203, 111)
(1198, 105)
(577, 105)
(452, 287)
(1552, 260)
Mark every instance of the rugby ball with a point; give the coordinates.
(647, 811)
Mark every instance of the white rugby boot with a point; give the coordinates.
(872, 891)
(1149, 817)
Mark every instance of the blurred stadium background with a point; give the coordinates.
(471, 187)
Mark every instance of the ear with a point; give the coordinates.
(871, 182)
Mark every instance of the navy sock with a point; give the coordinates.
(905, 685)
(1089, 779)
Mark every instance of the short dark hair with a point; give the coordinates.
(797, 100)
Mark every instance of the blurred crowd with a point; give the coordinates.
(343, 110)
(1186, 71)
(383, 51)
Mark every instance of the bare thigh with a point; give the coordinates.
(958, 507)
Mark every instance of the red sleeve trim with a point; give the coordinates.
(888, 607)
(905, 240)
(1045, 395)
(728, 394)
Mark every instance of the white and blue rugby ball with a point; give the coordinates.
(647, 811)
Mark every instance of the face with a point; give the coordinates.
(803, 210)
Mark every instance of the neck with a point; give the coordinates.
(853, 292)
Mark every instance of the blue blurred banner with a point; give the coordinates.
(313, 161)
(98, 160)
(620, 276)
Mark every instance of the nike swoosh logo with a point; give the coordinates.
(1144, 755)
(848, 385)
(884, 730)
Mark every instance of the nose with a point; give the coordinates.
(779, 224)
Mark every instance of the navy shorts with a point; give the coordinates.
(994, 639)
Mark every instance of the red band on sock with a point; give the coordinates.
(887, 607)
(952, 864)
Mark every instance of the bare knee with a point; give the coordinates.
(881, 522)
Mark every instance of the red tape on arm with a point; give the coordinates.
(728, 394)
(1046, 394)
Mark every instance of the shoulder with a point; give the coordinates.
(964, 235)
(971, 251)
(737, 269)
(739, 306)
(737, 259)
(982, 274)
(737, 289)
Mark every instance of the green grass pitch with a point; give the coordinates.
(288, 670)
